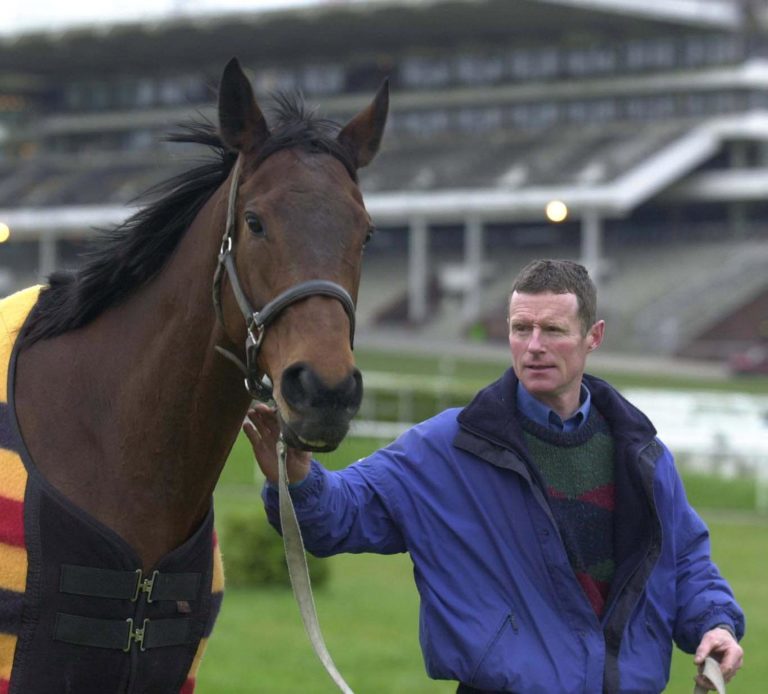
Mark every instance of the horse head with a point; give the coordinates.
(299, 226)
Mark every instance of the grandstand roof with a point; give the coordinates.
(611, 170)
(335, 30)
(611, 167)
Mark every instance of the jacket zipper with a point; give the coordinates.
(650, 544)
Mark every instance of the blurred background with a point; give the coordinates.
(631, 135)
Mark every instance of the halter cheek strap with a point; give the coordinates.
(256, 322)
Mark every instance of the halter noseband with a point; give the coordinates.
(256, 322)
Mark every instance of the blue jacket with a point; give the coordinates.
(501, 608)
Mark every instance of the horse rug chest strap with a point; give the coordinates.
(121, 634)
(125, 585)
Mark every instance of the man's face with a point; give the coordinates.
(549, 349)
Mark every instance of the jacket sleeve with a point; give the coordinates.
(342, 511)
(704, 598)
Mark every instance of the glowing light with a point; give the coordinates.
(5, 232)
(556, 211)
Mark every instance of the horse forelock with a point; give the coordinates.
(293, 124)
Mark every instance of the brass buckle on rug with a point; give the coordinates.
(144, 585)
(135, 635)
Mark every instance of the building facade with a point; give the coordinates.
(646, 122)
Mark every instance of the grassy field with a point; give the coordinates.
(369, 617)
(369, 608)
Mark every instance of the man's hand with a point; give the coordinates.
(723, 647)
(263, 430)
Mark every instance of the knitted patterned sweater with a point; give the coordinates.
(71, 589)
(577, 468)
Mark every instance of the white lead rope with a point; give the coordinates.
(712, 672)
(299, 572)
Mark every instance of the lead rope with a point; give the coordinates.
(713, 673)
(298, 570)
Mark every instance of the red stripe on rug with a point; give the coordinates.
(187, 688)
(4, 686)
(11, 523)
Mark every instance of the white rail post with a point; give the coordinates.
(418, 242)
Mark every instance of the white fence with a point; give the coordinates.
(725, 434)
(721, 433)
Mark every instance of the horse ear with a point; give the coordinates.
(241, 122)
(362, 135)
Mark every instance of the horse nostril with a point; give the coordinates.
(297, 386)
(355, 391)
(303, 390)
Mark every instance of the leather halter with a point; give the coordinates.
(256, 322)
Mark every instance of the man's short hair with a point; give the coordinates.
(561, 277)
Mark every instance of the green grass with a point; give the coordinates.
(739, 548)
(369, 618)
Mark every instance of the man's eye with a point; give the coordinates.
(369, 235)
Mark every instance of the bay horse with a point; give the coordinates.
(122, 408)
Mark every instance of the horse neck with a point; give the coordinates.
(189, 400)
(149, 409)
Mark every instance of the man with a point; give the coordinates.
(553, 546)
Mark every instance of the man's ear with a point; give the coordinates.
(596, 334)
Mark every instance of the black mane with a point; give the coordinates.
(127, 256)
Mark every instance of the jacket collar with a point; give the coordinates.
(492, 414)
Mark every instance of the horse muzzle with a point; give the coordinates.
(316, 416)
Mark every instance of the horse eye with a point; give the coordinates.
(369, 235)
(254, 223)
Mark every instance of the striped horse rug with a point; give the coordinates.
(77, 613)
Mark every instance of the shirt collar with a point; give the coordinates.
(543, 414)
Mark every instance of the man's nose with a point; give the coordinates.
(535, 344)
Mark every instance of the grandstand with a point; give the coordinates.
(649, 120)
